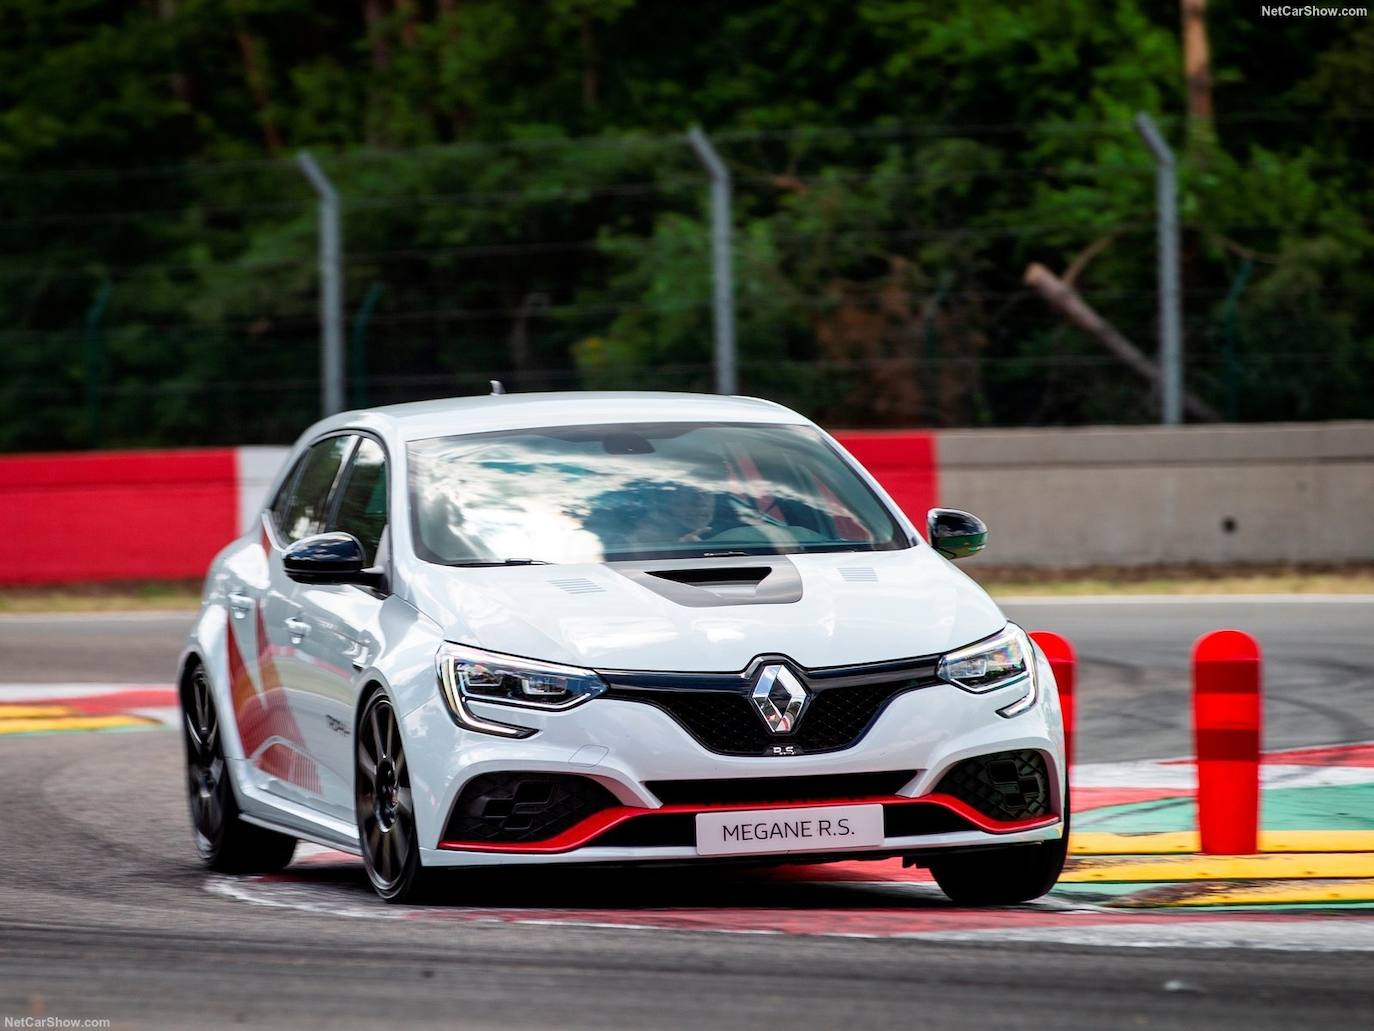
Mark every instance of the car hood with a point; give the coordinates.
(854, 608)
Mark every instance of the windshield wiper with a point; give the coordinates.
(502, 562)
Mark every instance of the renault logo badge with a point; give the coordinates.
(779, 697)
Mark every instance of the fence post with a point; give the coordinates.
(331, 287)
(1226, 726)
(357, 357)
(722, 280)
(1170, 319)
(1230, 325)
(94, 359)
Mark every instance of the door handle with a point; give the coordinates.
(240, 604)
(297, 627)
(358, 652)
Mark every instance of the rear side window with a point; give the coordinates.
(304, 512)
(362, 503)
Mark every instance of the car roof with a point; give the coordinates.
(422, 419)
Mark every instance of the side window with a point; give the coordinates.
(362, 503)
(304, 512)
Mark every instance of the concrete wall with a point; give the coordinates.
(1139, 495)
(257, 468)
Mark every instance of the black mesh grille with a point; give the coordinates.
(678, 830)
(666, 830)
(1003, 786)
(843, 705)
(904, 821)
(745, 791)
(513, 807)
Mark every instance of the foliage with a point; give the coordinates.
(519, 202)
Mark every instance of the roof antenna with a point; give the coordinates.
(497, 388)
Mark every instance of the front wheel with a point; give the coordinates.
(1003, 876)
(384, 805)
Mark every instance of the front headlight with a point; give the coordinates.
(1003, 660)
(468, 673)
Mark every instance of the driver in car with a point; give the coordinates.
(683, 514)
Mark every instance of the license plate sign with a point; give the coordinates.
(811, 829)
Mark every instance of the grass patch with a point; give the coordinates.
(111, 597)
(1181, 580)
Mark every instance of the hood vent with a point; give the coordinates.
(706, 582)
(859, 574)
(716, 578)
(577, 585)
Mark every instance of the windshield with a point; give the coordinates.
(639, 491)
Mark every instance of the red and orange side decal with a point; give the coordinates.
(262, 714)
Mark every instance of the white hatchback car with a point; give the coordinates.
(612, 628)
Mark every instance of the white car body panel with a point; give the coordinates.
(292, 696)
(914, 605)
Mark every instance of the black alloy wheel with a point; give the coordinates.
(206, 776)
(1004, 876)
(385, 808)
(225, 842)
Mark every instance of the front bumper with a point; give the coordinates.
(624, 745)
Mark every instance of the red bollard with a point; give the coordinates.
(1226, 726)
(1065, 665)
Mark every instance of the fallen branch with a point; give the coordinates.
(1088, 253)
(1064, 299)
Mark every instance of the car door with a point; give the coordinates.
(290, 747)
(246, 574)
(341, 628)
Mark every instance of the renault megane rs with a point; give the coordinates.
(612, 628)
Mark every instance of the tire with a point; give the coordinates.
(384, 806)
(1003, 876)
(226, 843)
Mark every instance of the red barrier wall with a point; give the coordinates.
(904, 462)
(131, 515)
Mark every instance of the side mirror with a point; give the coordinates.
(956, 534)
(329, 558)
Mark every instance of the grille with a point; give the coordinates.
(513, 807)
(669, 830)
(717, 711)
(905, 821)
(729, 723)
(746, 791)
(1003, 785)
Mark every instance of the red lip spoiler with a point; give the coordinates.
(585, 832)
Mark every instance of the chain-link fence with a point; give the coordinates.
(877, 274)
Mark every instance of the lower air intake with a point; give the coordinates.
(1003, 785)
(817, 788)
(516, 807)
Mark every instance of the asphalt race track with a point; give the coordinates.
(105, 913)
